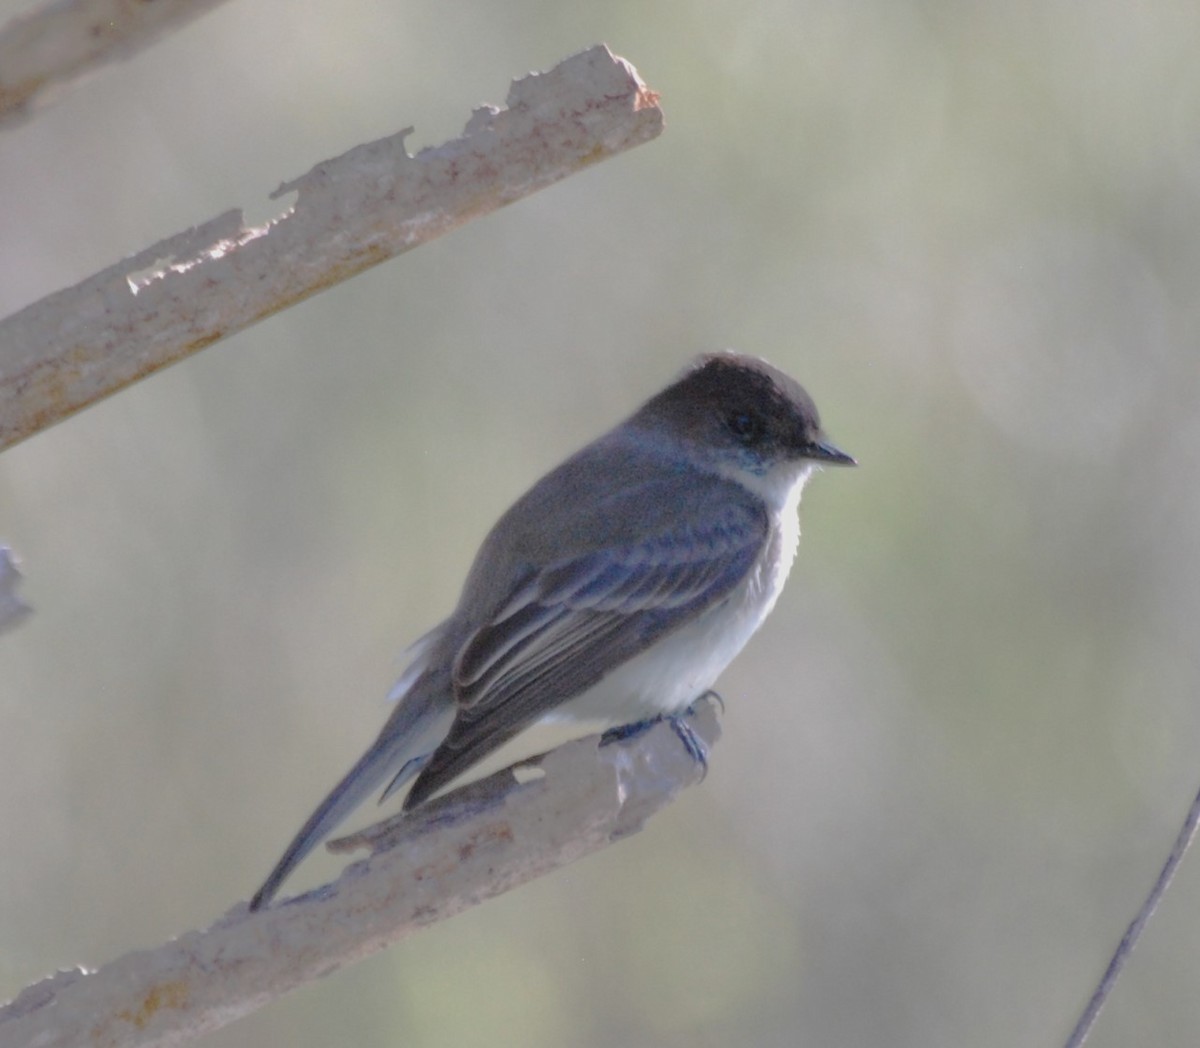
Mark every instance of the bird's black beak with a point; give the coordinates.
(823, 451)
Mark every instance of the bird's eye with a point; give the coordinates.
(746, 426)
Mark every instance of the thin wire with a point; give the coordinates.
(1134, 931)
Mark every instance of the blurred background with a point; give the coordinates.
(956, 755)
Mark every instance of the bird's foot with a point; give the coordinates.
(692, 742)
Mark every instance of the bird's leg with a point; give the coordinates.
(628, 731)
(692, 742)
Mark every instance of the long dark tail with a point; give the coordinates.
(414, 729)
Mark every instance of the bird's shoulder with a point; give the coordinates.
(618, 493)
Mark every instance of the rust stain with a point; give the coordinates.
(15, 98)
(487, 836)
(645, 98)
(173, 995)
(501, 833)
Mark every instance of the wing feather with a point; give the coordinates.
(562, 629)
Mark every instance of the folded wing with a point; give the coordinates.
(563, 628)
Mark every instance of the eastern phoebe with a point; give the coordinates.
(617, 588)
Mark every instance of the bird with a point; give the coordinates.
(617, 588)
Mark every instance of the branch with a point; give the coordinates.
(12, 608)
(453, 853)
(51, 45)
(1133, 933)
(83, 343)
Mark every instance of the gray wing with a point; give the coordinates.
(563, 628)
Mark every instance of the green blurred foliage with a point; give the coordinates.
(954, 757)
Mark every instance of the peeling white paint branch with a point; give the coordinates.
(365, 206)
(473, 844)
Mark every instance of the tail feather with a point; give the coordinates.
(414, 730)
